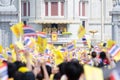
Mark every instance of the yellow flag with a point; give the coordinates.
(54, 37)
(42, 44)
(13, 55)
(11, 46)
(15, 30)
(58, 57)
(81, 32)
(110, 43)
(1, 48)
(20, 27)
(93, 73)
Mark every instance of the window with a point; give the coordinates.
(81, 8)
(25, 8)
(54, 8)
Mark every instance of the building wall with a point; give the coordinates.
(95, 18)
(92, 16)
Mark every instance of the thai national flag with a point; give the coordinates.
(114, 50)
(28, 42)
(3, 71)
(84, 40)
(70, 47)
(62, 50)
(29, 31)
(42, 34)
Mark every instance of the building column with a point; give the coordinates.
(66, 9)
(59, 8)
(42, 9)
(116, 33)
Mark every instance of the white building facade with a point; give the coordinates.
(69, 14)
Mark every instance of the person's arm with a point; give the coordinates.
(43, 65)
(27, 56)
(16, 50)
(36, 69)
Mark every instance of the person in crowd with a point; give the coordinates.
(73, 71)
(104, 59)
(94, 60)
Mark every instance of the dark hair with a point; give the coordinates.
(102, 55)
(75, 60)
(19, 64)
(24, 76)
(73, 70)
(62, 68)
(40, 75)
(11, 69)
(49, 69)
(57, 76)
(93, 54)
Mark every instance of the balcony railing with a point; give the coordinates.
(60, 38)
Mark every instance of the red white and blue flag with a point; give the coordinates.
(70, 46)
(29, 31)
(42, 34)
(114, 50)
(3, 71)
(63, 50)
(28, 42)
(84, 40)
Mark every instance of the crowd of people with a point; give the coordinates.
(69, 69)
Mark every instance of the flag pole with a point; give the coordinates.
(19, 11)
(102, 21)
(19, 16)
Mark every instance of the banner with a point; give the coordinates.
(54, 36)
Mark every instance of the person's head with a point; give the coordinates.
(93, 54)
(11, 69)
(49, 69)
(19, 64)
(24, 76)
(102, 55)
(73, 70)
(75, 60)
(62, 68)
(40, 75)
(57, 76)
